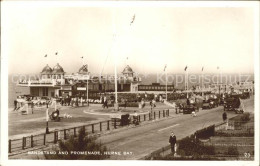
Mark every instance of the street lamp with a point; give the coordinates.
(166, 80)
(87, 91)
(47, 118)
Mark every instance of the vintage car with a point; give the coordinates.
(208, 104)
(188, 109)
(211, 101)
(190, 106)
(232, 103)
(245, 95)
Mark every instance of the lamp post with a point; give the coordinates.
(87, 91)
(187, 80)
(166, 79)
(47, 118)
(115, 36)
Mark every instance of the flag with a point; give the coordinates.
(133, 19)
(202, 68)
(185, 68)
(56, 53)
(164, 67)
(45, 55)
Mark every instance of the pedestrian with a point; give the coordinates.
(105, 102)
(154, 105)
(145, 95)
(142, 103)
(188, 101)
(224, 116)
(77, 101)
(172, 141)
(15, 105)
(68, 100)
(135, 118)
(72, 102)
(81, 101)
(32, 106)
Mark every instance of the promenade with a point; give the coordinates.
(131, 143)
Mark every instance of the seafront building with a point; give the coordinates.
(54, 82)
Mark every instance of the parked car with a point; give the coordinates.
(188, 109)
(232, 103)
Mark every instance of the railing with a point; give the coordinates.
(16, 145)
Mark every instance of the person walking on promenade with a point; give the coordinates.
(142, 103)
(154, 103)
(172, 141)
(15, 105)
(105, 102)
(77, 101)
(224, 116)
(32, 106)
(151, 104)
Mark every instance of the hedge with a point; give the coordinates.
(189, 146)
(206, 132)
(242, 117)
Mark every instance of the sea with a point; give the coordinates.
(173, 79)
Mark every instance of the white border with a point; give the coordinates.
(4, 79)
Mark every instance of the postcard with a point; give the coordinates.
(129, 82)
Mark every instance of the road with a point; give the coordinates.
(141, 141)
(138, 142)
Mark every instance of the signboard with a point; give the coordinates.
(81, 88)
(66, 88)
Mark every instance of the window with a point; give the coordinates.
(44, 91)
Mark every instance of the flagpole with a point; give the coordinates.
(187, 84)
(46, 61)
(186, 80)
(115, 58)
(218, 81)
(57, 57)
(220, 78)
(166, 80)
(202, 82)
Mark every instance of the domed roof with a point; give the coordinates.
(58, 69)
(83, 69)
(46, 70)
(127, 69)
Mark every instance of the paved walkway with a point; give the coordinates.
(136, 142)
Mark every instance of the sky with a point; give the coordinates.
(197, 37)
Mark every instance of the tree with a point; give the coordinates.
(82, 148)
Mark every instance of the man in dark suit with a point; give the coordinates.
(224, 116)
(172, 141)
